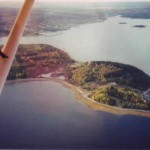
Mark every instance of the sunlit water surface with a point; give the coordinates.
(107, 40)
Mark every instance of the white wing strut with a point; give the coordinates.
(12, 43)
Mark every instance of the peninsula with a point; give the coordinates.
(108, 83)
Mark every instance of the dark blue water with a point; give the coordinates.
(44, 114)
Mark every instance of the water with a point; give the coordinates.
(49, 116)
(108, 40)
(43, 114)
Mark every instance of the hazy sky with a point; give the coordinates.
(79, 0)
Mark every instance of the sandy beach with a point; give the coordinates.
(79, 95)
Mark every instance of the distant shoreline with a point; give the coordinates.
(91, 103)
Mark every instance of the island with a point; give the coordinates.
(99, 84)
(139, 26)
(122, 23)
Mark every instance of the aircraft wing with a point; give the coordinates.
(12, 43)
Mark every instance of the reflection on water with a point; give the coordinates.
(44, 114)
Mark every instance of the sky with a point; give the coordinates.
(78, 0)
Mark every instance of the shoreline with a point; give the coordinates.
(79, 95)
